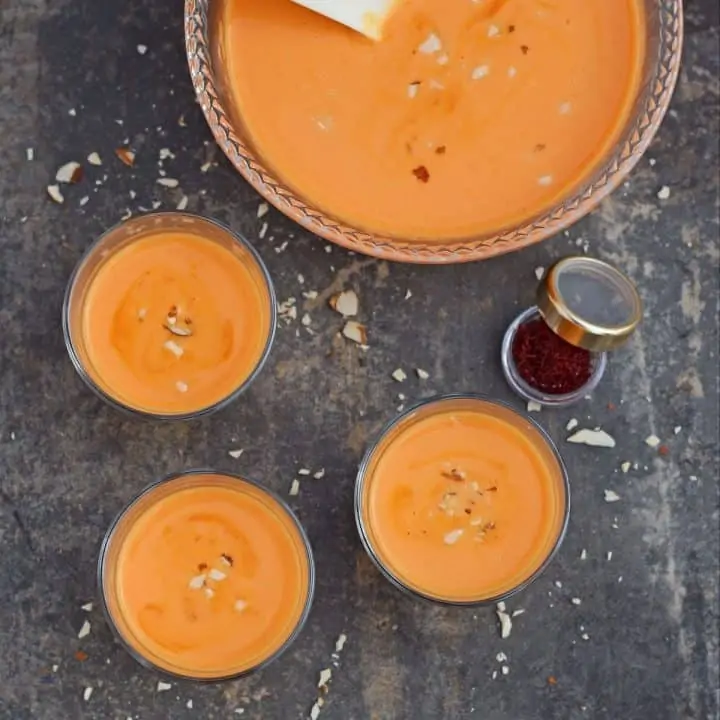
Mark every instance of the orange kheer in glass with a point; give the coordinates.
(462, 501)
(173, 322)
(465, 118)
(207, 576)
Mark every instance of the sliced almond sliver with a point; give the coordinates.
(356, 332)
(71, 172)
(84, 630)
(174, 348)
(54, 192)
(126, 156)
(197, 582)
(216, 575)
(176, 330)
(453, 536)
(346, 303)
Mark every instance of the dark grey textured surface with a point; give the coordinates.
(68, 464)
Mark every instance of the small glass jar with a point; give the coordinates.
(586, 303)
(107, 248)
(144, 512)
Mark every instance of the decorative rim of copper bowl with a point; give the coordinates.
(664, 20)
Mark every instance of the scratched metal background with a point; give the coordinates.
(68, 464)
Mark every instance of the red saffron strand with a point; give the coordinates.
(548, 363)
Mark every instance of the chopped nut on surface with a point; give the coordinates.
(87, 693)
(355, 331)
(346, 303)
(69, 173)
(87, 607)
(399, 375)
(126, 156)
(263, 209)
(652, 441)
(572, 424)
(325, 677)
(625, 466)
(216, 575)
(533, 406)
(294, 487)
(167, 182)
(611, 496)
(54, 192)
(94, 159)
(664, 192)
(422, 374)
(163, 686)
(576, 601)
(319, 474)
(505, 624)
(340, 642)
(84, 630)
(235, 454)
(595, 438)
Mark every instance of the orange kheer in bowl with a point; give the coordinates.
(206, 576)
(169, 315)
(462, 500)
(465, 119)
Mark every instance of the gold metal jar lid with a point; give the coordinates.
(589, 303)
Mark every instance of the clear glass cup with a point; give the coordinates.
(118, 531)
(448, 403)
(118, 238)
(526, 391)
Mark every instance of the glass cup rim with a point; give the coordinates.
(169, 479)
(146, 414)
(362, 476)
(529, 393)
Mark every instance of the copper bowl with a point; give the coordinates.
(664, 23)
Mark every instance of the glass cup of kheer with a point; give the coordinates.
(169, 316)
(206, 576)
(462, 500)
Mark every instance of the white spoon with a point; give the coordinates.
(365, 16)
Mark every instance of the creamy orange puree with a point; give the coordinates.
(464, 505)
(466, 117)
(211, 580)
(175, 322)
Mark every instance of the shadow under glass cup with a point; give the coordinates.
(206, 576)
(237, 329)
(462, 500)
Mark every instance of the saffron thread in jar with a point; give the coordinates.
(547, 362)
